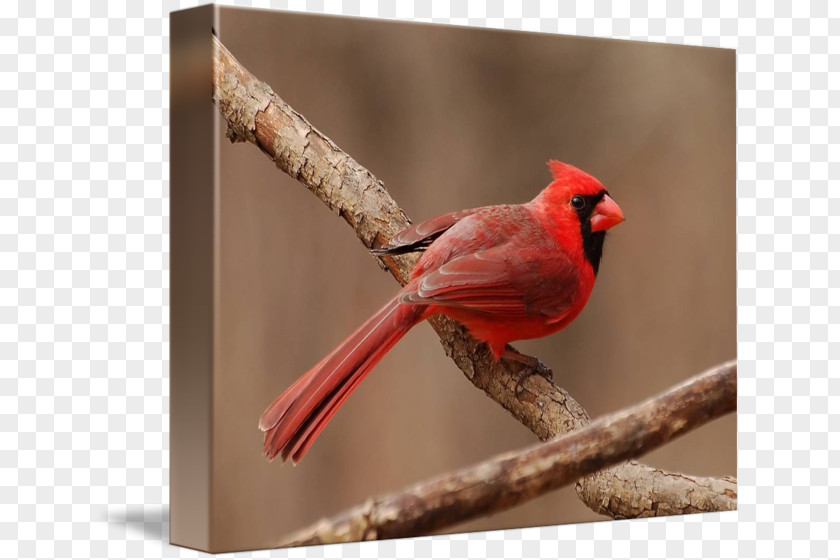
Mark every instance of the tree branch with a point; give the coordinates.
(256, 114)
(513, 478)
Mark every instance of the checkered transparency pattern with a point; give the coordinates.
(84, 279)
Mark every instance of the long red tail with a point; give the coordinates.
(293, 421)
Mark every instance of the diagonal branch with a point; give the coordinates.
(254, 113)
(513, 478)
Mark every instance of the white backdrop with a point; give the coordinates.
(84, 283)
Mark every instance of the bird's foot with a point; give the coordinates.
(533, 366)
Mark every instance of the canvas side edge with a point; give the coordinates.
(192, 276)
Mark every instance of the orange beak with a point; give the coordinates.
(606, 215)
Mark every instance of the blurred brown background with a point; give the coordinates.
(452, 118)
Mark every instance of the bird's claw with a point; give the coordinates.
(543, 370)
(535, 368)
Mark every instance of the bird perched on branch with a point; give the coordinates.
(507, 272)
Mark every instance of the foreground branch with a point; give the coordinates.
(513, 478)
(256, 114)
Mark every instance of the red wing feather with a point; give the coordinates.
(493, 282)
(419, 236)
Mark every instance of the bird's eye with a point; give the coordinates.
(577, 202)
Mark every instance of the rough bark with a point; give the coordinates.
(513, 478)
(256, 114)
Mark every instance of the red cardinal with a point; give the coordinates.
(507, 272)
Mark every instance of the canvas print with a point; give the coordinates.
(431, 279)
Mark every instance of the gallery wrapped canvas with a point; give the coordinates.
(431, 279)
